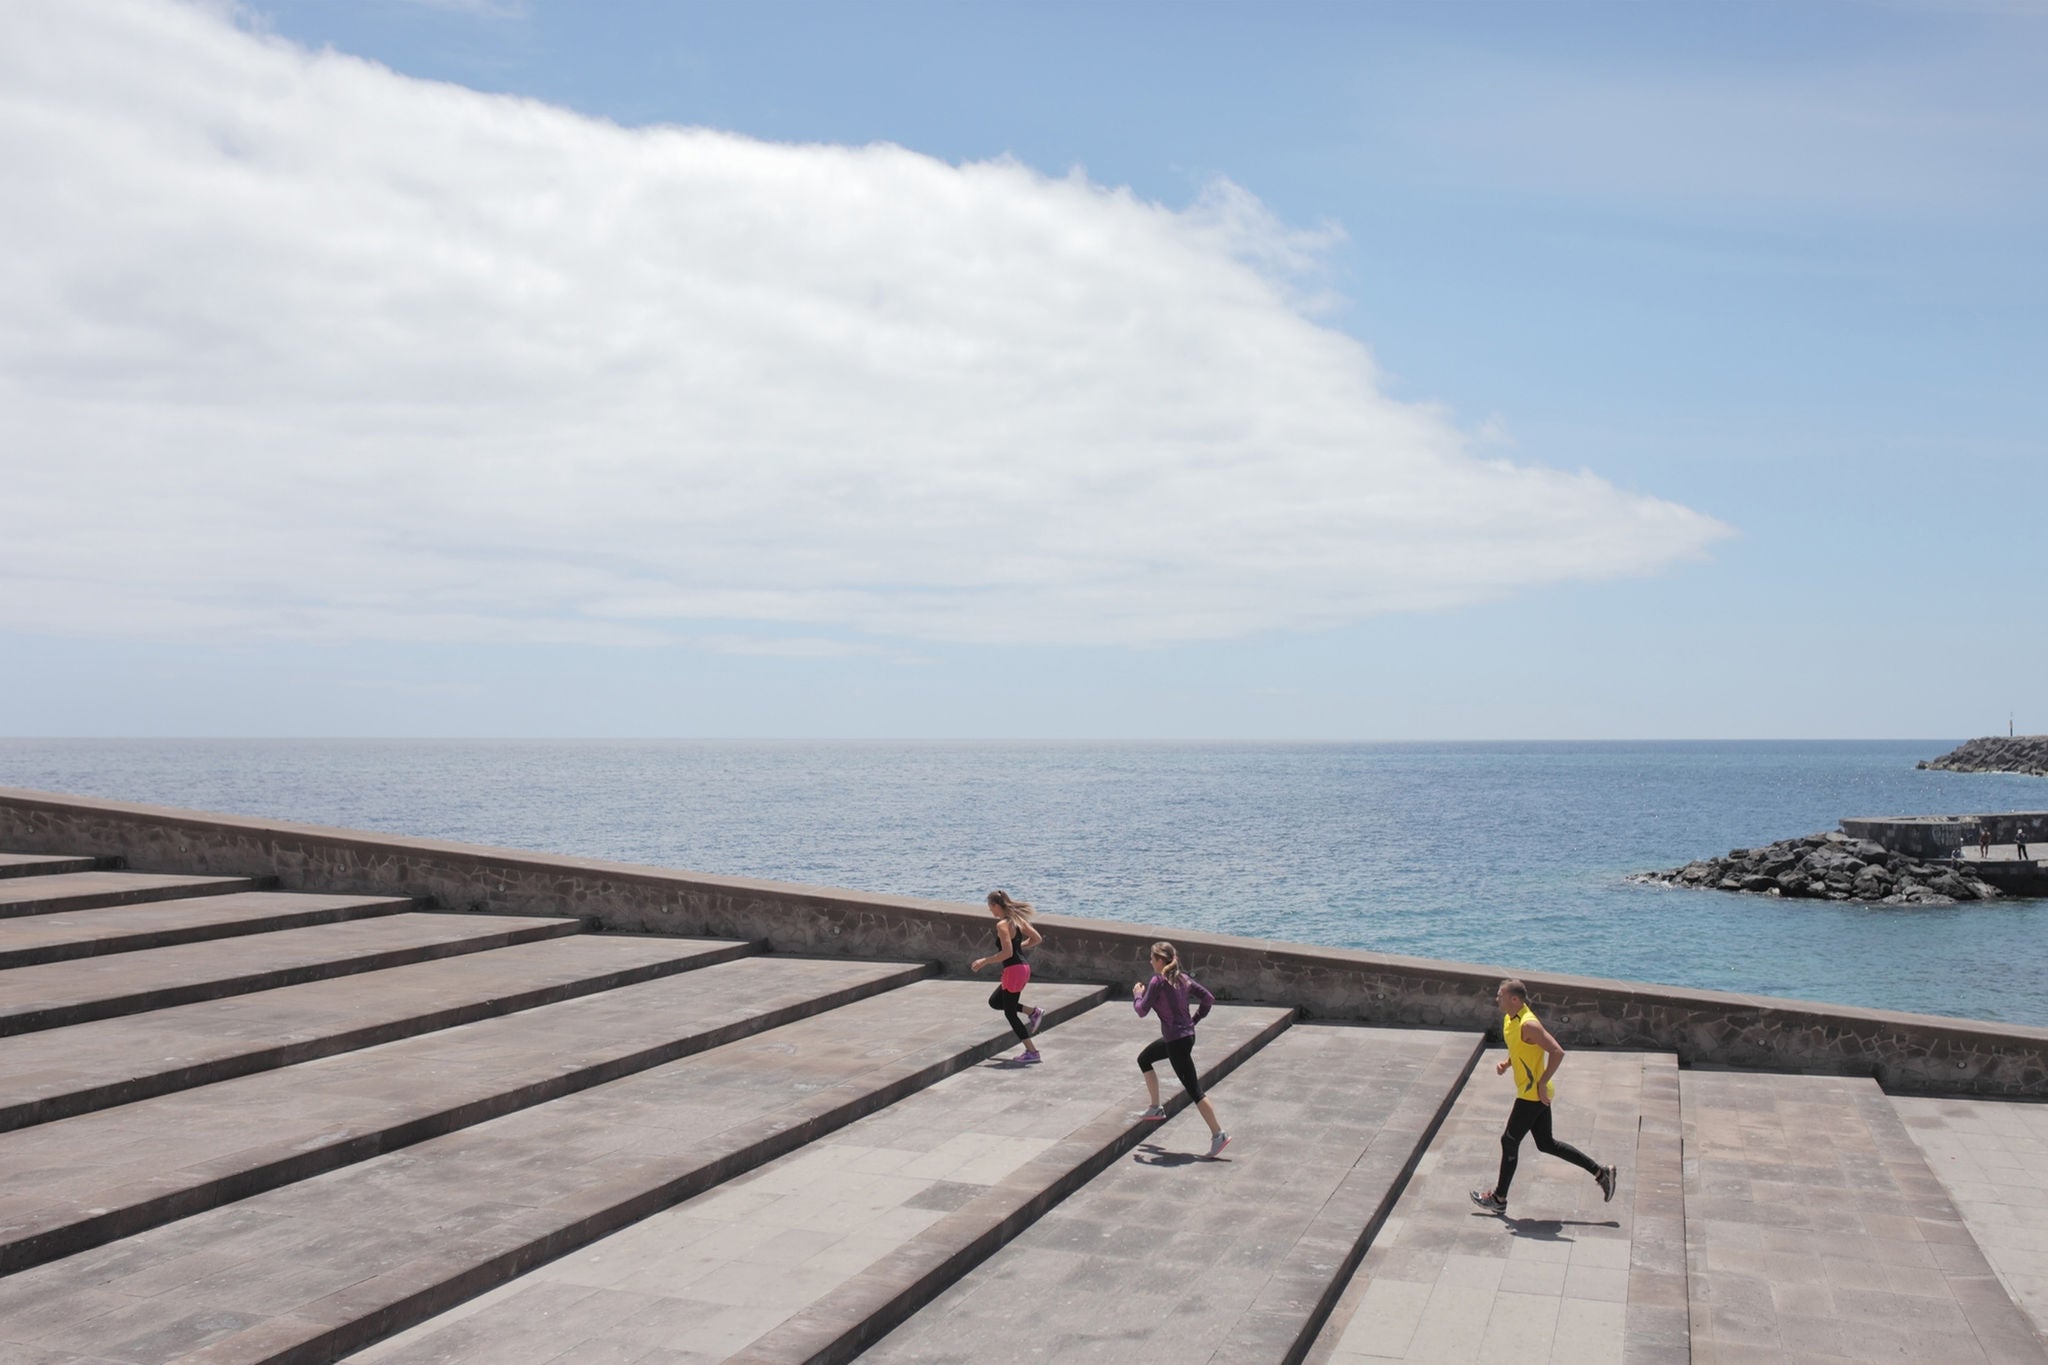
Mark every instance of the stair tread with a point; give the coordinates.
(329, 1264)
(29, 939)
(1988, 1155)
(1814, 1222)
(1172, 1254)
(81, 1181)
(43, 864)
(58, 1072)
(84, 890)
(805, 1252)
(1566, 1275)
(58, 993)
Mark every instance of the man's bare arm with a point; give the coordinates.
(1533, 1032)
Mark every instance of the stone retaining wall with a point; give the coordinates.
(1907, 1053)
(1943, 836)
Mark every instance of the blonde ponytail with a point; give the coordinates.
(1016, 911)
(1172, 970)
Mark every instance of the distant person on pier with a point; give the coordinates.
(2019, 842)
(1983, 842)
(1014, 936)
(1535, 1056)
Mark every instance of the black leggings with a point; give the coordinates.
(1181, 1052)
(1533, 1116)
(1006, 1001)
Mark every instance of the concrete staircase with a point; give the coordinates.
(239, 1124)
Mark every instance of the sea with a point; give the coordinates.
(1513, 855)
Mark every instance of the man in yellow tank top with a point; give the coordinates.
(1534, 1055)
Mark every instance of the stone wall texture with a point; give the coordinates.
(1917, 1054)
(1941, 836)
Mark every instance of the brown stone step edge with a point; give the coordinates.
(95, 890)
(874, 1303)
(313, 909)
(689, 955)
(1658, 1324)
(50, 864)
(140, 1002)
(282, 1341)
(23, 1246)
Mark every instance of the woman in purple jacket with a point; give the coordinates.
(1167, 994)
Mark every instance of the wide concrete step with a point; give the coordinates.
(47, 864)
(328, 1265)
(1815, 1228)
(1171, 1255)
(820, 1252)
(47, 895)
(60, 993)
(59, 1072)
(81, 1182)
(1566, 1276)
(31, 939)
(1992, 1158)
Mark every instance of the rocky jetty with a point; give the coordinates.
(1830, 866)
(1995, 754)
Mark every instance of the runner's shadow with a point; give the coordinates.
(1151, 1154)
(1551, 1229)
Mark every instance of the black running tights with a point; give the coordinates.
(1533, 1116)
(1181, 1052)
(1006, 1001)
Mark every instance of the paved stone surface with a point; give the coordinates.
(1171, 1255)
(60, 993)
(31, 939)
(59, 1072)
(1816, 1231)
(1991, 1156)
(43, 864)
(2000, 853)
(1559, 1278)
(86, 890)
(78, 1183)
(796, 1257)
(330, 1264)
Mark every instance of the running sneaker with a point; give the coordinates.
(1155, 1113)
(1488, 1200)
(1031, 1024)
(1218, 1143)
(1608, 1180)
(1030, 1054)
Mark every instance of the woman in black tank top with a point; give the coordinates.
(1014, 934)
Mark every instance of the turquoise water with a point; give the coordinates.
(1509, 854)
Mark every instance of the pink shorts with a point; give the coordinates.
(1015, 977)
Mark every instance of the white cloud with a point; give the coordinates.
(295, 346)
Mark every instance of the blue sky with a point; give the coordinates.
(1306, 372)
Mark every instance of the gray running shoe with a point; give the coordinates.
(1218, 1143)
(1488, 1200)
(1608, 1179)
(1155, 1113)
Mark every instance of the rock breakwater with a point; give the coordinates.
(1830, 866)
(2026, 754)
